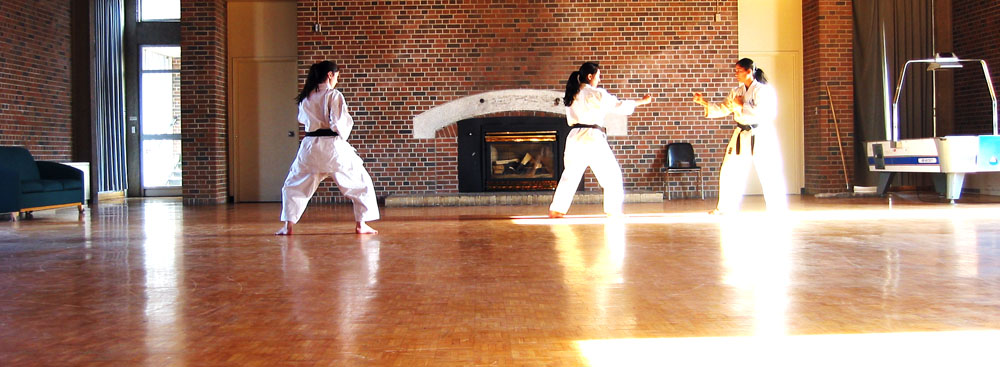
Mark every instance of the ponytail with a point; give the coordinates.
(572, 87)
(578, 78)
(316, 76)
(759, 76)
(748, 65)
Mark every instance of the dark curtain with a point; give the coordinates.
(109, 94)
(887, 33)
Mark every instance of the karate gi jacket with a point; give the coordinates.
(760, 106)
(324, 108)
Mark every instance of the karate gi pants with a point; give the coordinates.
(758, 148)
(322, 157)
(596, 154)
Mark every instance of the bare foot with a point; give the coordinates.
(285, 230)
(715, 212)
(555, 214)
(363, 228)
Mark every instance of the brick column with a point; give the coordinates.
(827, 40)
(203, 101)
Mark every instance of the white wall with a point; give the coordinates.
(770, 33)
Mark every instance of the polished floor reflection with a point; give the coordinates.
(155, 283)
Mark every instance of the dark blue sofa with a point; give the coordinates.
(27, 185)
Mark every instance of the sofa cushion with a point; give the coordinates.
(19, 160)
(68, 184)
(41, 186)
(31, 186)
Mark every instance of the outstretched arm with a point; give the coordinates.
(647, 99)
(699, 99)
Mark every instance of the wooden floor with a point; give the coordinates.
(905, 281)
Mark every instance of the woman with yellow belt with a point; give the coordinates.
(754, 106)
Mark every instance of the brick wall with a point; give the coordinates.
(203, 101)
(827, 41)
(403, 58)
(976, 24)
(35, 77)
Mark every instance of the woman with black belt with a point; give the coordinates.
(324, 152)
(587, 142)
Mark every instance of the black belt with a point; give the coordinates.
(322, 132)
(745, 127)
(582, 126)
(753, 138)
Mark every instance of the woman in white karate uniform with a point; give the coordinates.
(754, 106)
(587, 142)
(324, 152)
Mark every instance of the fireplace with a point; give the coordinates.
(521, 160)
(510, 153)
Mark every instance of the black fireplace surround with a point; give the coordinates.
(510, 153)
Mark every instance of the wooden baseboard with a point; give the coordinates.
(111, 195)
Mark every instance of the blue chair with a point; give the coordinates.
(681, 160)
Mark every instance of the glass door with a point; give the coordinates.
(160, 120)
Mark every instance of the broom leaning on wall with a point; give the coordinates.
(859, 191)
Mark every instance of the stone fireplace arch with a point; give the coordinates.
(426, 124)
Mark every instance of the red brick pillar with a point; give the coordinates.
(203, 101)
(827, 40)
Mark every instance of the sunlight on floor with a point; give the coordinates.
(944, 348)
(949, 212)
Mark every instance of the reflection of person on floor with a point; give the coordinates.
(324, 283)
(324, 152)
(753, 104)
(587, 142)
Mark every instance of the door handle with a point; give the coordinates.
(290, 133)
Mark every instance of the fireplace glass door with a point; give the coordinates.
(521, 160)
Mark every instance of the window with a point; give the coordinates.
(159, 10)
(160, 116)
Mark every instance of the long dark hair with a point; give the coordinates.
(578, 78)
(748, 65)
(317, 76)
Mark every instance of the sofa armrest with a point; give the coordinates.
(52, 170)
(10, 190)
